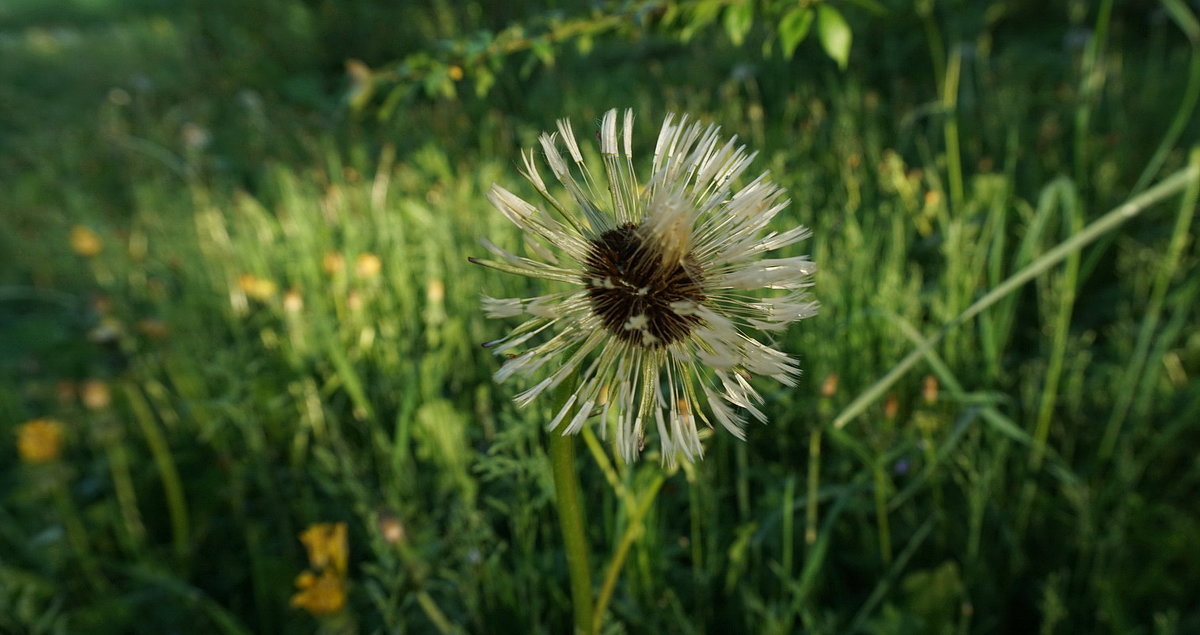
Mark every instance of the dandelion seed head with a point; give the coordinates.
(637, 287)
(666, 286)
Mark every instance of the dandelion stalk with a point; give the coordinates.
(814, 479)
(570, 518)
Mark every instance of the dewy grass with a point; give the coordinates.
(1171, 185)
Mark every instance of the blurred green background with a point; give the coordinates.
(233, 241)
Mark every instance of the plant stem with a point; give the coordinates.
(954, 170)
(570, 518)
(814, 478)
(77, 537)
(1168, 269)
(160, 451)
(632, 531)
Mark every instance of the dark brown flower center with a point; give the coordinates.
(631, 288)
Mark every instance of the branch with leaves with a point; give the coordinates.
(437, 71)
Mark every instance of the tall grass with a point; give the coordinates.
(1026, 466)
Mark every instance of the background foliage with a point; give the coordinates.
(273, 323)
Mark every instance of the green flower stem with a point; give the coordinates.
(570, 518)
(814, 479)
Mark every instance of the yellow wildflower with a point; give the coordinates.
(95, 394)
(891, 406)
(323, 589)
(108, 330)
(929, 389)
(320, 595)
(390, 527)
(293, 302)
(261, 289)
(333, 262)
(326, 545)
(85, 242)
(40, 440)
(830, 385)
(367, 266)
(153, 328)
(435, 293)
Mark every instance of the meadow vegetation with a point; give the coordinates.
(234, 293)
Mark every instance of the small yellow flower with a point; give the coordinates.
(390, 527)
(320, 595)
(106, 331)
(95, 394)
(455, 73)
(367, 266)
(891, 406)
(929, 389)
(293, 302)
(261, 289)
(40, 440)
(326, 545)
(153, 328)
(333, 262)
(85, 242)
(435, 293)
(830, 385)
(195, 137)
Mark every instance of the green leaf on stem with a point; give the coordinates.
(793, 28)
(834, 34)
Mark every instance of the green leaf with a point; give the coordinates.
(1184, 18)
(698, 17)
(738, 18)
(362, 84)
(834, 34)
(484, 80)
(585, 44)
(544, 51)
(793, 28)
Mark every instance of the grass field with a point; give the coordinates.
(234, 286)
